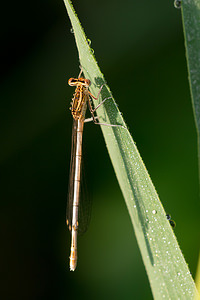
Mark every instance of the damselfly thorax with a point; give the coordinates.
(81, 97)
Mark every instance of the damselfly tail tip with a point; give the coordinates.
(72, 265)
(73, 260)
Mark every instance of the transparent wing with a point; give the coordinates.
(71, 177)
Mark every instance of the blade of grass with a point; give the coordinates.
(191, 27)
(197, 278)
(167, 270)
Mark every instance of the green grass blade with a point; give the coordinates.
(197, 279)
(167, 270)
(191, 26)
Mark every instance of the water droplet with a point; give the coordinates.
(89, 42)
(92, 50)
(154, 212)
(178, 273)
(72, 30)
(177, 4)
(172, 223)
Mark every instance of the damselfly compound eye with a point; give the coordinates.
(72, 81)
(87, 82)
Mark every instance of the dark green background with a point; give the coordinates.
(140, 49)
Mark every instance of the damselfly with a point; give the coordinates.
(78, 109)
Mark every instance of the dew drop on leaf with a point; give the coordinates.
(89, 42)
(177, 4)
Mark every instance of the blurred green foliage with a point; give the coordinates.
(140, 49)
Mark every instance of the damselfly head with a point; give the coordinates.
(76, 81)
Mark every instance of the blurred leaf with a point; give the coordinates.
(167, 270)
(197, 279)
(191, 26)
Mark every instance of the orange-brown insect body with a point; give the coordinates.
(79, 101)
